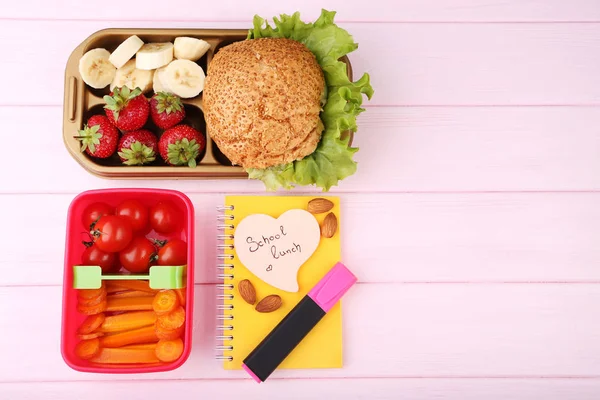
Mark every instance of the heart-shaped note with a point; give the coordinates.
(275, 249)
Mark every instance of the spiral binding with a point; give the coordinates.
(225, 270)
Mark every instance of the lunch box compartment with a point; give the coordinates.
(82, 101)
(76, 233)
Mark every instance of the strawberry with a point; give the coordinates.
(166, 110)
(127, 110)
(181, 145)
(138, 147)
(99, 137)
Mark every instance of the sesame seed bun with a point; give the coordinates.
(262, 100)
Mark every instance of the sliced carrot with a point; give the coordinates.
(135, 336)
(125, 356)
(165, 301)
(172, 320)
(87, 349)
(130, 304)
(130, 293)
(92, 335)
(181, 296)
(168, 334)
(169, 350)
(91, 323)
(142, 286)
(92, 310)
(128, 321)
(144, 346)
(91, 297)
(93, 301)
(91, 293)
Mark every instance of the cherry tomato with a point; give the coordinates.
(136, 212)
(173, 253)
(109, 262)
(138, 256)
(112, 233)
(93, 212)
(165, 217)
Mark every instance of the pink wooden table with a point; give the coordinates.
(477, 199)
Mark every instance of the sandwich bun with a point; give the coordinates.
(262, 101)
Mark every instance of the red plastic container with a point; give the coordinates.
(72, 319)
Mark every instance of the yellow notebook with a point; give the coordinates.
(243, 327)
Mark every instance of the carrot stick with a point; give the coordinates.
(130, 293)
(168, 334)
(172, 320)
(91, 323)
(181, 296)
(87, 349)
(165, 301)
(125, 365)
(143, 346)
(91, 310)
(89, 336)
(114, 289)
(142, 286)
(141, 335)
(129, 304)
(169, 350)
(125, 356)
(128, 321)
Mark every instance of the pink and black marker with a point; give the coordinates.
(280, 342)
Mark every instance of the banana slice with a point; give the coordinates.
(95, 69)
(158, 82)
(154, 55)
(187, 48)
(185, 78)
(128, 75)
(125, 51)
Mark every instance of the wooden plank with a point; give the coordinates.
(390, 330)
(307, 389)
(404, 238)
(416, 64)
(427, 149)
(378, 10)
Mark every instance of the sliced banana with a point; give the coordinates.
(128, 75)
(187, 48)
(154, 55)
(95, 69)
(158, 82)
(185, 78)
(125, 51)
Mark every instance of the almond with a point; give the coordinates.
(319, 205)
(269, 304)
(247, 291)
(329, 226)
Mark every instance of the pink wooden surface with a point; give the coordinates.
(477, 190)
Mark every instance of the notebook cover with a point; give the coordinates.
(322, 347)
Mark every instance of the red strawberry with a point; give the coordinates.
(166, 110)
(138, 147)
(99, 137)
(127, 110)
(181, 145)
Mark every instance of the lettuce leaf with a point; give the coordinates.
(332, 160)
